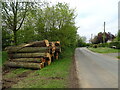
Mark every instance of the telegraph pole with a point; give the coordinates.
(104, 34)
(91, 37)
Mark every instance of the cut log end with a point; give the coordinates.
(41, 65)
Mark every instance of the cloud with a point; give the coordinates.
(93, 13)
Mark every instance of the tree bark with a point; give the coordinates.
(28, 49)
(23, 65)
(35, 60)
(15, 37)
(44, 43)
(30, 55)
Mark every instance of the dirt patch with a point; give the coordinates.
(8, 82)
(6, 70)
(73, 79)
(57, 78)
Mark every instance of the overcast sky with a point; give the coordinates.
(91, 15)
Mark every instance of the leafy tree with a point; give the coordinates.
(56, 22)
(118, 36)
(6, 37)
(81, 41)
(14, 14)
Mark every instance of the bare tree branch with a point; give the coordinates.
(23, 18)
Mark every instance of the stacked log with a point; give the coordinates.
(57, 49)
(34, 55)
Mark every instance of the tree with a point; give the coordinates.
(52, 22)
(81, 41)
(117, 36)
(57, 23)
(6, 37)
(13, 14)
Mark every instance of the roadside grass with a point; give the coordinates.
(0, 58)
(4, 57)
(52, 76)
(15, 72)
(118, 57)
(104, 50)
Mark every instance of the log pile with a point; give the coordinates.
(34, 55)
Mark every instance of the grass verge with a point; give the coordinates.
(15, 73)
(104, 50)
(118, 57)
(3, 57)
(53, 76)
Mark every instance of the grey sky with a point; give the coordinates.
(91, 15)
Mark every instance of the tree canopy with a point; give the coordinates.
(24, 24)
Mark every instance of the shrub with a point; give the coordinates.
(116, 43)
(95, 46)
(103, 45)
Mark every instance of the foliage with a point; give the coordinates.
(118, 57)
(45, 21)
(103, 45)
(115, 43)
(4, 56)
(118, 36)
(6, 37)
(95, 46)
(81, 41)
(13, 16)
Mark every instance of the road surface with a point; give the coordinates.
(96, 70)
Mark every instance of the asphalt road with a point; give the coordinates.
(96, 70)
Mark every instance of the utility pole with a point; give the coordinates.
(104, 34)
(91, 37)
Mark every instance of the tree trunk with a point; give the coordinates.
(30, 55)
(35, 60)
(44, 43)
(15, 37)
(24, 65)
(28, 49)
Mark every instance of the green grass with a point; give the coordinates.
(118, 57)
(15, 73)
(104, 50)
(0, 58)
(52, 76)
(3, 57)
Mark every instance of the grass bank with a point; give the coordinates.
(118, 57)
(104, 50)
(3, 57)
(52, 76)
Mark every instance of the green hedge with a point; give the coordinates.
(103, 45)
(116, 43)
